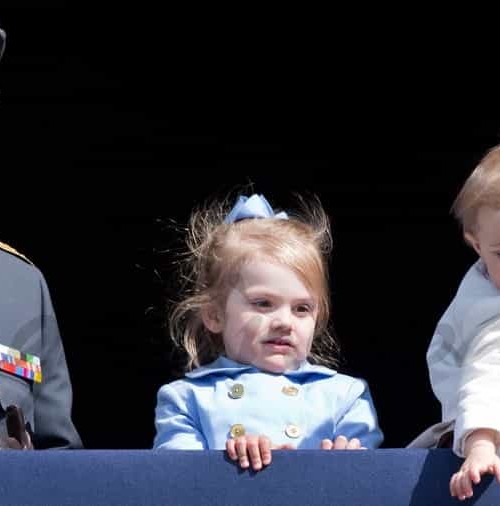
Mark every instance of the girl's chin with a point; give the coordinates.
(278, 364)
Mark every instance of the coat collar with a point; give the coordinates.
(228, 367)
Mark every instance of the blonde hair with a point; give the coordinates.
(216, 252)
(482, 188)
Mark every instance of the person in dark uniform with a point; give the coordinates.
(33, 371)
(35, 388)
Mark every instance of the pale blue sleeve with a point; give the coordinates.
(175, 422)
(359, 418)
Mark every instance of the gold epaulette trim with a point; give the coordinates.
(10, 249)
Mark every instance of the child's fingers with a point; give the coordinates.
(326, 444)
(475, 474)
(453, 485)
(231, 449)
(496, 469)
(241, 450)
(457, 488)
(465, 485)
(340, 443)
(253, 452)
(265, 450)
(354, 444)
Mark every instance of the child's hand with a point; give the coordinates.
(342, 443)
(481, 459)
(254, 450)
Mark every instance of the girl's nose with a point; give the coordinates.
(282, 319)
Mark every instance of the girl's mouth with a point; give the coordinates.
(279, 344)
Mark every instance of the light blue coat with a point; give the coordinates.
(199, 411)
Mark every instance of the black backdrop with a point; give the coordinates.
(142, 120)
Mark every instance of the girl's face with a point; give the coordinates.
(486, 241)
(269, 318)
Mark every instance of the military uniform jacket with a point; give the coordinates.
(225, 399)
(28, 325)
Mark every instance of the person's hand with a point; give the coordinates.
(18, 436)
(480, 459)
(11, 443)
(342, 443)
(254, 451)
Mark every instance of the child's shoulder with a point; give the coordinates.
(342, 384)
(349, 383)
(207, 374)
(477, 300)
(474, 288)
(476, 280)
(346, 389)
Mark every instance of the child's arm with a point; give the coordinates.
(176, 428)
(478, 399)
(478, 411)
(358, 421)
(481, 458)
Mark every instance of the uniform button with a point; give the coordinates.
(237, 430)
(290, 390)
(292, 431)
(236, 391)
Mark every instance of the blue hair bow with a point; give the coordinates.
(255, 206)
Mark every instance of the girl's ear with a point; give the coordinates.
(212, 318)
(471, 239)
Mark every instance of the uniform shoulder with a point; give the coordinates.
(9, 249)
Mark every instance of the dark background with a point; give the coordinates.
(117, 122)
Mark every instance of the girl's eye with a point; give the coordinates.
(261, 303)
(304, 308)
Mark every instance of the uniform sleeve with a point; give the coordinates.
(479, 379)
(53, 396)
(359, 419)
(176, 428)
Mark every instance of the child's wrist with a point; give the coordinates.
(482, 438)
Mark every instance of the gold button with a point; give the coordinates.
(236, 391)
(292, 431)
(237, 430)
(290, 390)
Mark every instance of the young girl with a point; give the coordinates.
(254, 326)
(464, 355)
